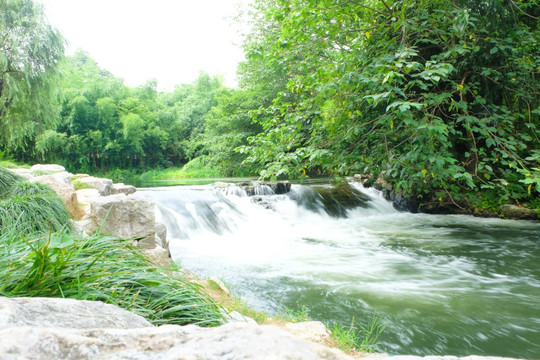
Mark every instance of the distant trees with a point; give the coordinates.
(100, 124)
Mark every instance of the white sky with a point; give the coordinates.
(137, 40)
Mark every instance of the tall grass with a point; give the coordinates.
(356, 336)
(35, 206)
(99, 268)
(7, 180)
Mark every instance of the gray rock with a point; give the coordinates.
(85, 197)
(161, 235)
(227, 342)
(122, 216)
(123, 189)
(65, 313)
(40, 328)
(159, 256)
(104, 186)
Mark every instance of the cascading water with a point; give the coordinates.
(444, 284)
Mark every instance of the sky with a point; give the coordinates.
(138, 40)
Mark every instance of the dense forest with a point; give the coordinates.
(440, 98)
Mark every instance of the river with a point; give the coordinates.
(442, 284)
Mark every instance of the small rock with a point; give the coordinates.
(161, 235)
(159, 256)
(236, 317)
(104, 186)
(123, 189)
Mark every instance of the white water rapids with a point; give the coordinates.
(444, 284)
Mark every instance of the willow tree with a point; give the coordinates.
(440, 96)
(29, 52)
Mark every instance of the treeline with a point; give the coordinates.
(104, 125)
(68, 110)
(440, 98)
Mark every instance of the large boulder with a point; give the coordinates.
(61, 184)
(122, 216)
(42, 328)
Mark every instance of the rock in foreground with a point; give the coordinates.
(44, 328)
(71, 329)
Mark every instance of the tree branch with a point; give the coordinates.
(524, 13)
(374, 10)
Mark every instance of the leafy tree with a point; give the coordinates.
(228, 125)
(50, 144)
(440, 96)
(29, 53)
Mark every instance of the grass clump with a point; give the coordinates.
(356, 337)
(99, 268)
(79, 185)
(35, 206)
(7, 180)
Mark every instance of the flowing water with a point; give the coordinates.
(443, 284)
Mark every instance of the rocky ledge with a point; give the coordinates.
(44, 328)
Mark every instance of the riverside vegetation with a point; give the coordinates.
(440, 98)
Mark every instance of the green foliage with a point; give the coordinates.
(293, 316)
(102, 269)
(439, 96)
(356, 336)
(29, 52)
